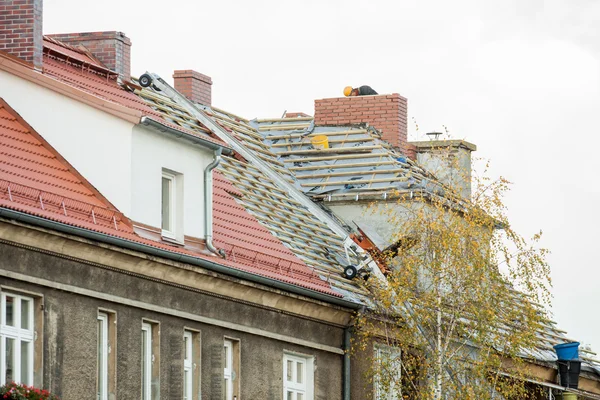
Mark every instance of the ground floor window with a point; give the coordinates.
(16, 339)
(387, 373)
(298, 371)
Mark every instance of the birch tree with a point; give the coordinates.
(463, 300)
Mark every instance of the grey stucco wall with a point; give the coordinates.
(69, 333)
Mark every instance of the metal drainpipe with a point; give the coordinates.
(208, 215)
(346, 377)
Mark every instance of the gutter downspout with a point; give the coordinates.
(208, 201)
(346, 379)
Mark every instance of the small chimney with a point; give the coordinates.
(193, 85)
(387, 113)
(448, 160)
(113, 49)
(21, 30)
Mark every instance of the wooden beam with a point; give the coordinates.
(350, 173)
(332, 133)
(339, 157)
(364, 149)
(402, 179)
(284, 119)
(288, 127)
(349, 165)
(303, 143)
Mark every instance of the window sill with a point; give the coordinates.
(171, 240)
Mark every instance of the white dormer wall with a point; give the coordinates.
(154, 152)
(97, 144)
(122, 160)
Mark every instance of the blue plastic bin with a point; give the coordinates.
(567, 351)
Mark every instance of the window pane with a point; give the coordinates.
(225, 389)
(299, 372)
(166, 204)
(25, 304)
(25, 348)
(290, 367)
(226, 353)
(145, 368)
(185, 385)
(299, 396)
(290, 395)
(10, 355)
(186, 349)
(10, 306)
(100, 357)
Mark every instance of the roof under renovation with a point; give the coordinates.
(262, 226)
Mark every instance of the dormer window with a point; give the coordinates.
(171, 205)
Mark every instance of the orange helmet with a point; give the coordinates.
(347, 91)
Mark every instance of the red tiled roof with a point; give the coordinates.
(34, 179)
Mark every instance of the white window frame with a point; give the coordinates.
(394, 356)
(228, 369)
(102, 378)
(188, 365)
(306, 387)
(18, 335)
(170, 233)
(147, 357)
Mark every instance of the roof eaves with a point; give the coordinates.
(8, 64)
(180, 257)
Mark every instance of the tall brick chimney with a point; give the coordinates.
(112, 48)
(193, 85)
(21, 30)
(387, 113)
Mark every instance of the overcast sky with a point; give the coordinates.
(520, 79)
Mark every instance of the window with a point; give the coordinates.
(191, 365)
(298, 377)
(168, 205)
(188, 368)
(102, 373)
(172, 205)
(16, 339)
(106, 364)
(150, 361)
(388, 368)
(228, 371)
(231, 365)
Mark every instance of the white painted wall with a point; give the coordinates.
(153, 151)
(97, 144)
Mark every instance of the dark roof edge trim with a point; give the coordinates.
(210, 265)
(180, 134)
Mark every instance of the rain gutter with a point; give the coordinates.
(165, 129)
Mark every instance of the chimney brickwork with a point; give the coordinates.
(387, 113)
(21, 30)
(112, 48)
(193, 85)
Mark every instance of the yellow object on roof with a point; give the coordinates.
(347, 91)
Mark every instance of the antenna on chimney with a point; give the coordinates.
(433, 135)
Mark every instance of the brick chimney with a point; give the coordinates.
(111, 48)
(386, 113)
(193, 85)
(21, 30)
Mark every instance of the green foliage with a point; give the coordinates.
(464, 299)
(16, 391)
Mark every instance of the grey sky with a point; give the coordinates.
(521, 79)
